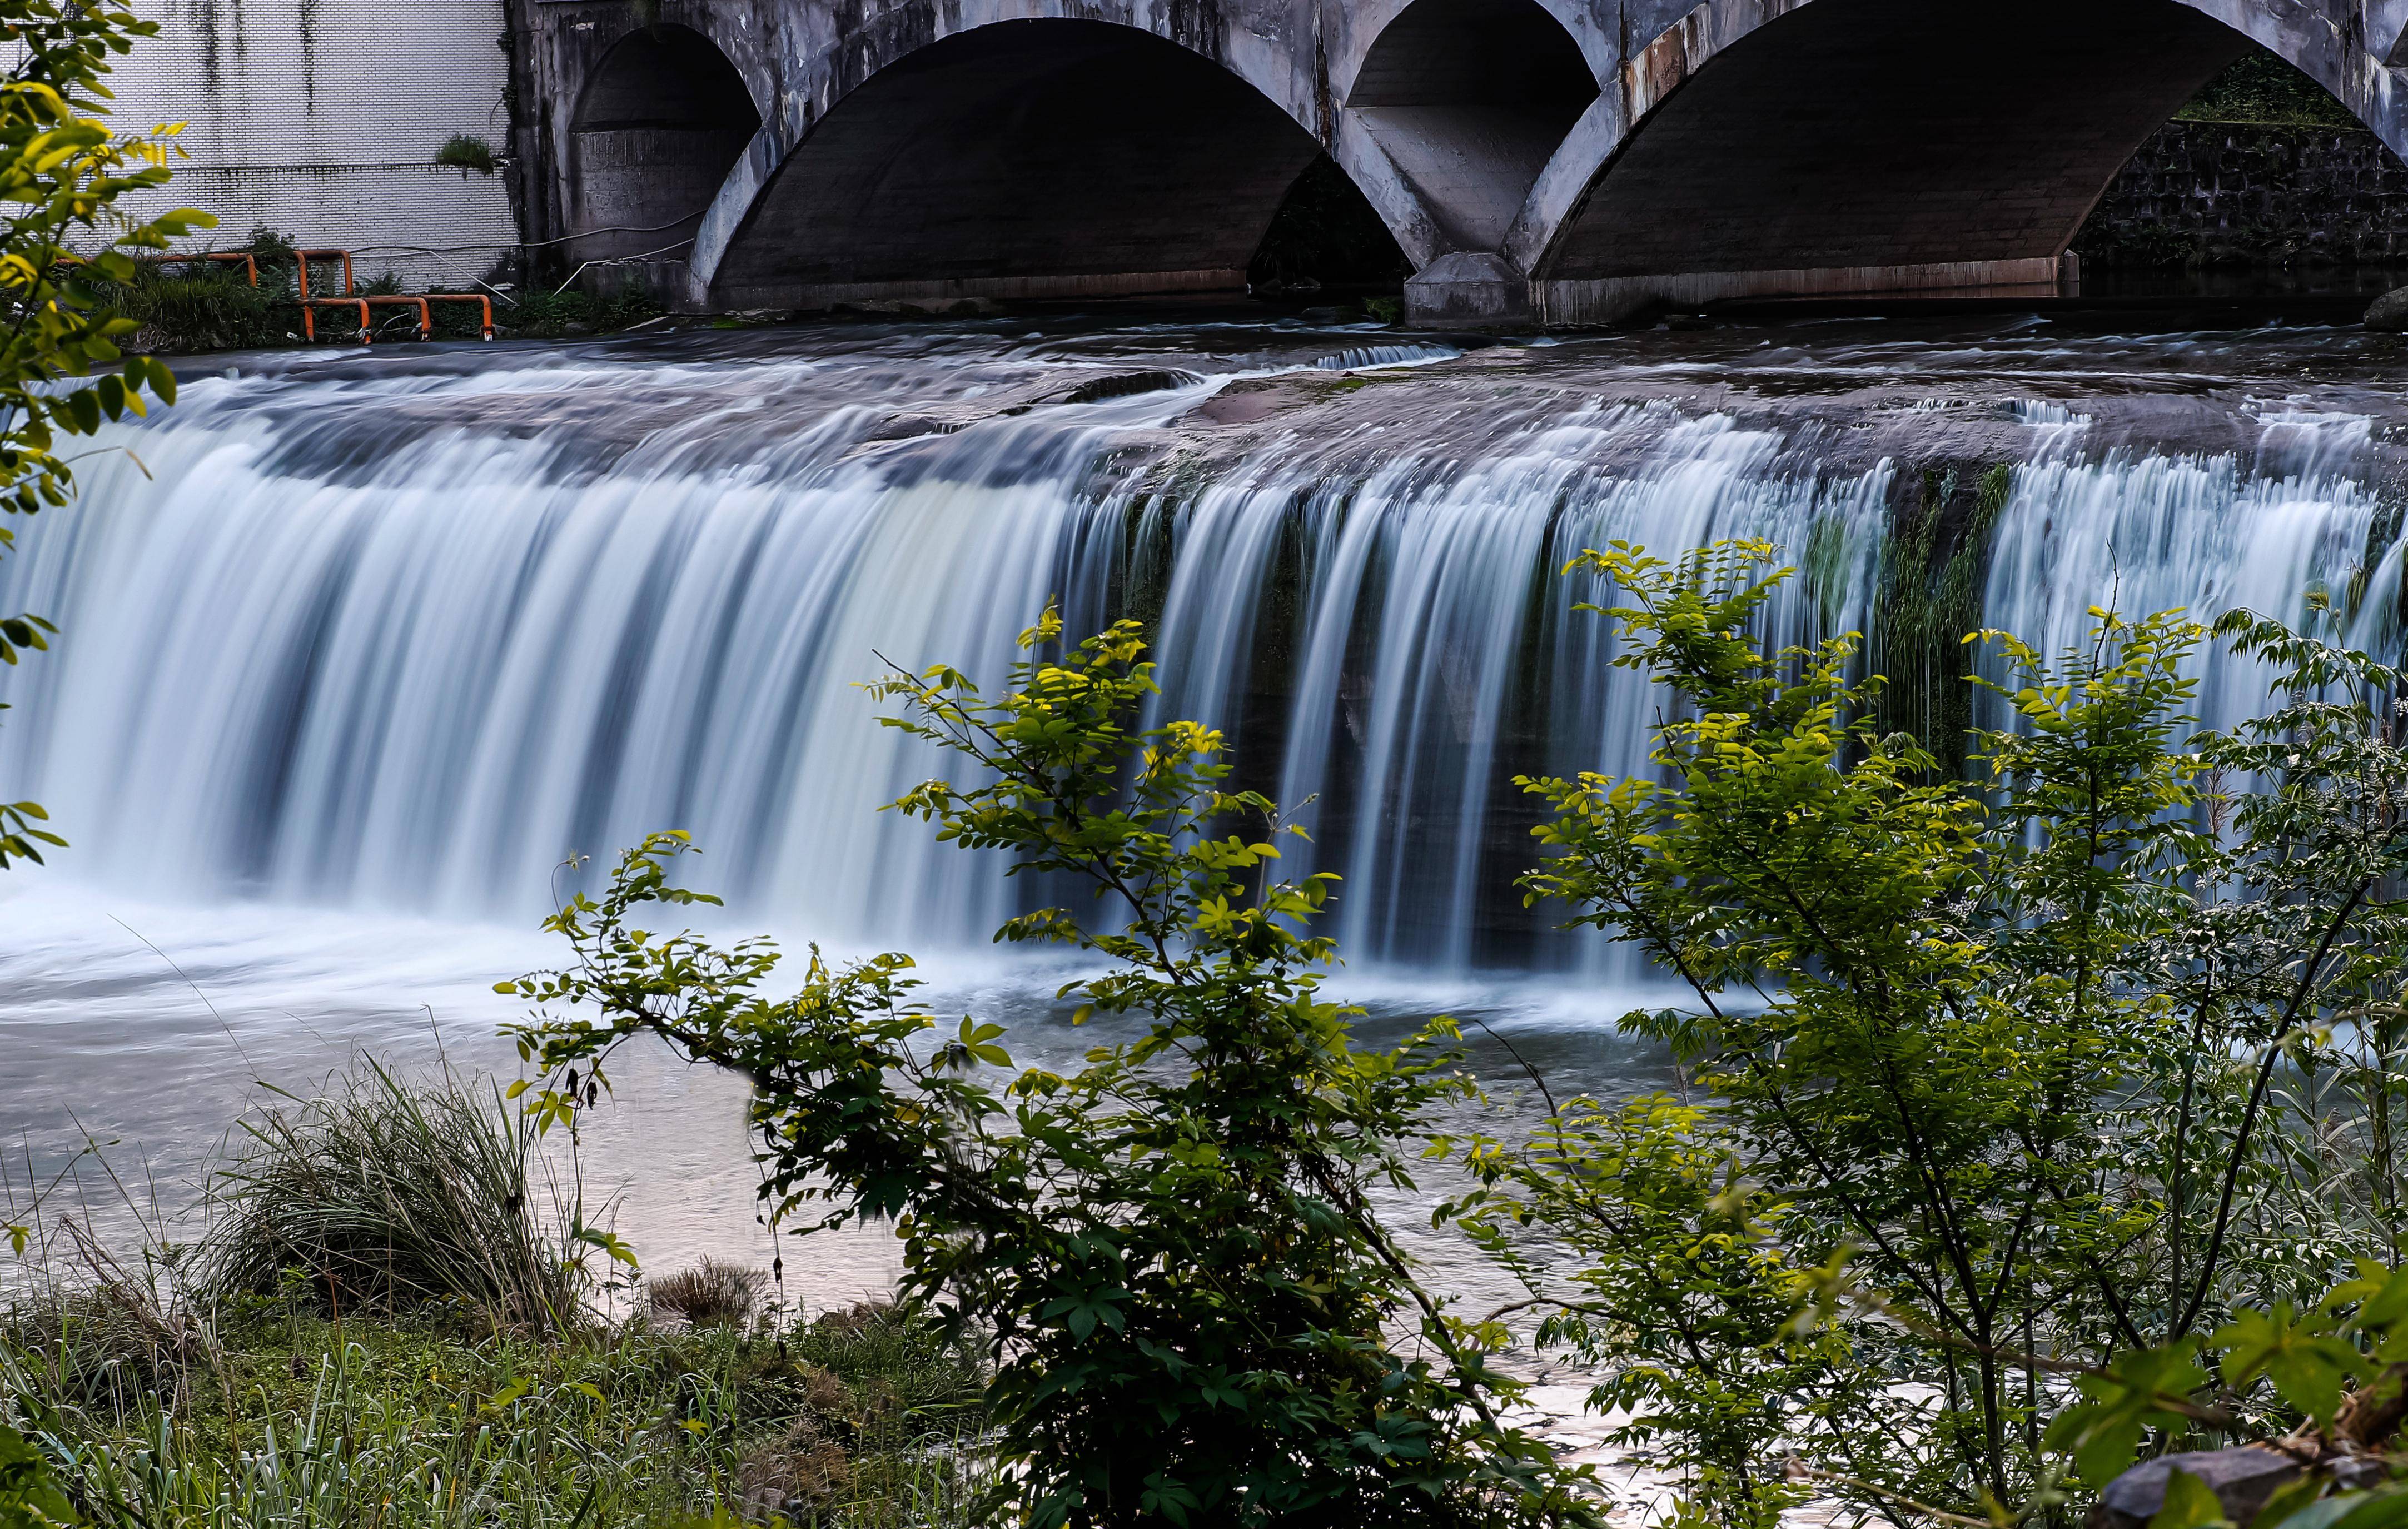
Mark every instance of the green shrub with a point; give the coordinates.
(2261, 87)
(1189, 1297)
(539, 314)
(1996, 1079)
(29, 1497)
(68, 245)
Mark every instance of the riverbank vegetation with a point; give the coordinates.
(188, 307)
(2032, 1120)
(395, 1316)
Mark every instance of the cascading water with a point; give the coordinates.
(362, 647)
(405, 642)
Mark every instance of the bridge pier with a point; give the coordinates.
(1468, 291)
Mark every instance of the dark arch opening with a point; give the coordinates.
(1879, 134)
(1024, 159)
(656, 130)
(1469, 98)
(1326, 236)
(2262, 180)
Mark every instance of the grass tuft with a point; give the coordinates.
(712, 1293)
(466, 151)
(383, 1198)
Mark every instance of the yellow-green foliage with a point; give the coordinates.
(62, 238)
(1994, 1080)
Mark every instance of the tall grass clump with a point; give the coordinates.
(712, 1293)
(380, 1197)
(184, 309)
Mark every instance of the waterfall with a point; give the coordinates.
(345, 638)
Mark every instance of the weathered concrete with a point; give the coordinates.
(1567, 160)
(1471, 291)
(660, 120)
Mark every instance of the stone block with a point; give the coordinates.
(1465, 290)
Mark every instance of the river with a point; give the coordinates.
(359, 647)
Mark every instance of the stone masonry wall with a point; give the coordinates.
(2233, 193)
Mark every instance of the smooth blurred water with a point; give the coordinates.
(357, 652)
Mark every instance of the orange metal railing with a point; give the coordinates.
(349, 298)
(309, 305)
(306, 256)
(308, 314)
(484, 303)
(425, 320)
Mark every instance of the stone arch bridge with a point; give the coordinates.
(1563, 161)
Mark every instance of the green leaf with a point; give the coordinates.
(2386, 1507)
(2105, 1431)
(2189, 1503)
(2309, 1369)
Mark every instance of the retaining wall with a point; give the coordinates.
(2225, 193)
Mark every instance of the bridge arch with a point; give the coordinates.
(1822, 146)
(662, 117)
(1012, 155)
(1469, 99)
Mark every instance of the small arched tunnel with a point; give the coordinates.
(1027, 158)
(1881, 144)
(1469, 98)
(656, 129)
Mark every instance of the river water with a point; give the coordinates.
(360, 647)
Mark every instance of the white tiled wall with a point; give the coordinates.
(321, 118)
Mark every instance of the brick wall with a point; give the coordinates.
(2225, 193)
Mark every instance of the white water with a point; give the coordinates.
(362, 657)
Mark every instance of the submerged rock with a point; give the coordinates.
(2241, 1479)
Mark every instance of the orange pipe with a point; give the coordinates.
(476, 297)
(306, 256)
(308, 319)
(425, 318)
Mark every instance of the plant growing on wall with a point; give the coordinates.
(466, 151)
(1188, 1296)
(63, 234)
(2002, 1078)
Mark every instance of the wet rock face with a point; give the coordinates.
(2389, 311)
(2241, 1479)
